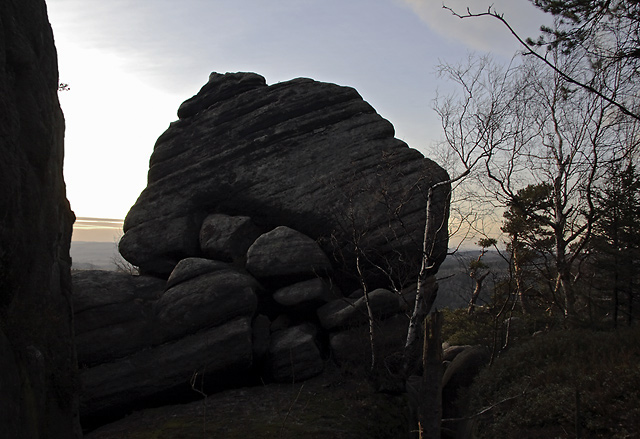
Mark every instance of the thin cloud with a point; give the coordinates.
(99, 220)
(164, 39)
(97, 229)
(131, 62)
(483, 33)
(97, 223)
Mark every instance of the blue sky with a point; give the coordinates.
(130, 63)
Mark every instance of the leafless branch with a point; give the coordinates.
(491, 12)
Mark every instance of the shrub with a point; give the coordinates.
(460, 328)
(561, 382)
(484, 328)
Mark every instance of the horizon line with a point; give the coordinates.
(104, 220)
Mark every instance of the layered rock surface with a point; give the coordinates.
(113, 314)
(38, 386)
(246, 234)
(143, 339)
(311, 156)
(141, 336)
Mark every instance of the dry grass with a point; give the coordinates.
(330, 406)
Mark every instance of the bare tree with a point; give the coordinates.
(473, 131)
(478, 271)
(603, 32)
(539, 129)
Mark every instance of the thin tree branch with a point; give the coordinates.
(500, 17)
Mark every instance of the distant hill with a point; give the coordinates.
(93, 255)
(455, 285)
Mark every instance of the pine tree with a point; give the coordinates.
(530, 240)
(616, 243)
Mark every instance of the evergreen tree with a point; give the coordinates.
(607, 29)
(530, 241)
(616, 243)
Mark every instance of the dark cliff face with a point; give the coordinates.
(37, 357)
(309, 155)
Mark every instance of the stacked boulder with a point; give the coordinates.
(269, 312)
(245, 236)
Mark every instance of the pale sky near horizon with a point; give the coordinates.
(130, 63)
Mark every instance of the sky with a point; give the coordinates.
(130, 63)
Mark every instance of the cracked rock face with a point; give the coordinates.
(308, 155)
(38, 386)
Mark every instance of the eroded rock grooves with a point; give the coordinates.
(265, 316)
(38, 384)
(256, 202)
(304, 154)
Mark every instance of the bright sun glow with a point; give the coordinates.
(109, 138)
(130, 64)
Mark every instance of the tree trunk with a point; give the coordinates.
(426, 295)
(564, 278)
(616, 297)
(476, 292)
(520, 289)
(569, 295)
(426, 290)
(430, 409)
(365, 290)
(630, 303)
(616, 267)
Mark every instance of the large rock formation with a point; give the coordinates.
(311, 156)
(257, 199)
(142, 339)
(38, 387)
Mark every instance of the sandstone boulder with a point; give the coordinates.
(464, 368)
(458, 377)
(193, 267)
(227, 238)
(205, 301)
(113, 388)
(175, 238)
(304, 154)
(344, 313)
(113, 314)
(284, 252)
(306, 294)
(94, 289)
(261, 337)
(136, 338)
(282, 321)
(294, 355)
(451, 352)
